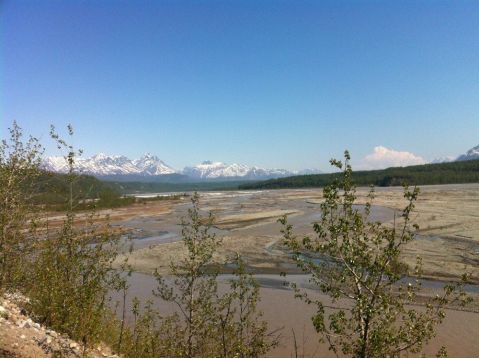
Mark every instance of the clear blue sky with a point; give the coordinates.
(273, 83)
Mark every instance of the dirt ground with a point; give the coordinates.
(448, 217)
(149, 209)
(21, 337)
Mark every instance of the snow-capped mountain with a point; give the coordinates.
(214, 170)
(471, 154)
(307, 172)
(150, 166)
(446, 159)
(106, 165)
(219, 170)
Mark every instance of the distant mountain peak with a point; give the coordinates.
(471, 154)
(473, 151)
(102, 164)
(149, 156)
(209, 169)
(445, 159)
(149, 165)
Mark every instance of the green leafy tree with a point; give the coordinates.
(193, 286)
(210, 324)
(240, 328)
(151, 335)
(19, 167)
(73, 269)
(356, 262)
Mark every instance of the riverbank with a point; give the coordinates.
(22, 337)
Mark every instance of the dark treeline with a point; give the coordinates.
(427, 174)
(52, 191)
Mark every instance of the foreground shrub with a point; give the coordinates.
(357, 261)
(19, 167)
(208, 323)
(72, 270)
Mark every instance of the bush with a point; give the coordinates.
(359, 263)
(72, 270)
(19, 166)
(207, 323)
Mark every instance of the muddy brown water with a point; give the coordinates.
(459, 332)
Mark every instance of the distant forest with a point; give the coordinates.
(52, 191)
(427, 174)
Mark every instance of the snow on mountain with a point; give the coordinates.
(218, 170)
(471, 154)
(152, 165)
(55, 164)
(214, 170)
(103, 165)
(308, 171)
(149, 165)
(446, 159)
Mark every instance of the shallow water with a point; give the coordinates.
(163, 238)
(281, 310)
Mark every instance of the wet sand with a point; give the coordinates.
(448, 216)
(247, 223)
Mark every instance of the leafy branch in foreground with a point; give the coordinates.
(73, 269)
(19, 167)
(209, 323)
(356, 262)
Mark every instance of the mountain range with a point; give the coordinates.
(150, 167)
(471, 154)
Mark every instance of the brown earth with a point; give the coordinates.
(22, 337)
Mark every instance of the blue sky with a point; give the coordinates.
(272, 83)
